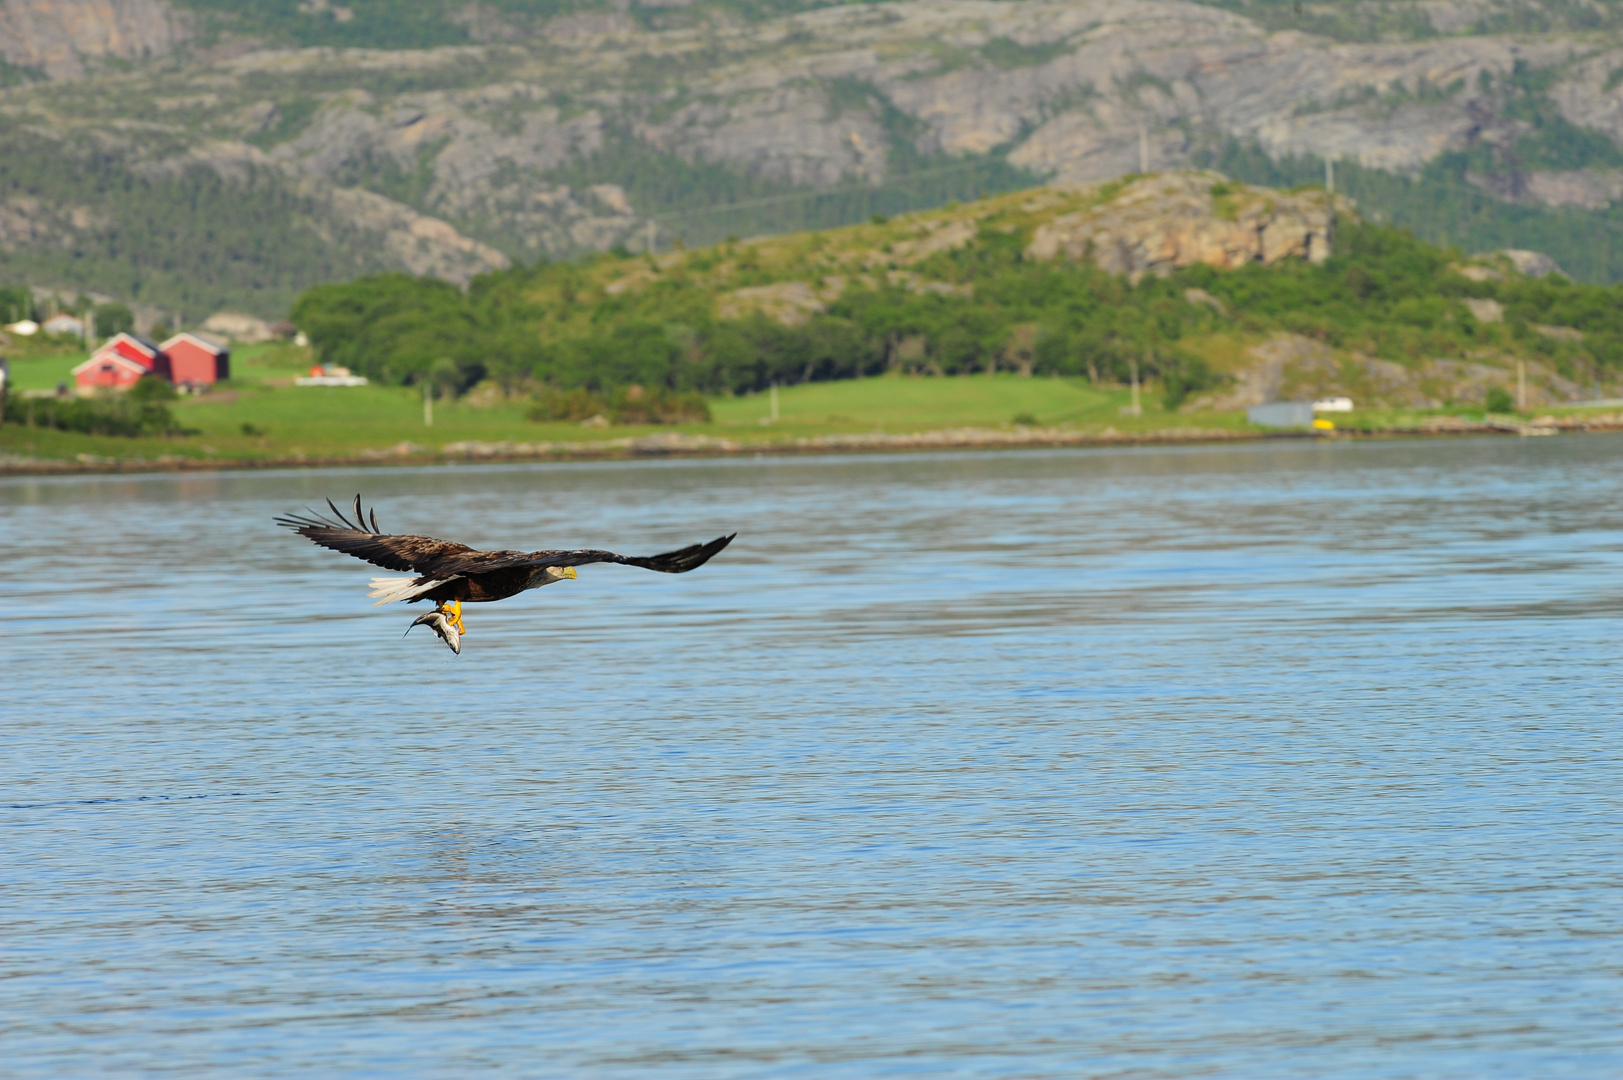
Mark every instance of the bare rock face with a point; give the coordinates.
(416, 242)
(1161, 223)
(56, 36)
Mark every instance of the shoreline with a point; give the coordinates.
(675, 444)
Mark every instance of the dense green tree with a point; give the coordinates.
(16, 303)
(394, 328)
(113, 319)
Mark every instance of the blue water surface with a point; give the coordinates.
(1279, 760)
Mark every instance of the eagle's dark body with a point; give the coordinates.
(449, 573)
(483, 588)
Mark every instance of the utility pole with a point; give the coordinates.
(1134, 409)
(1329, 176)
(774, 401)
(1143, 150)
(428, 402)
(651, 227)
(1521, 386)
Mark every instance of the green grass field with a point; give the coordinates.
(898, 404)
(37, 365)
(259, 413)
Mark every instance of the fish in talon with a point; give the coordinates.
(436, 621)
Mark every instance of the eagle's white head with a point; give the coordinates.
(546, 575)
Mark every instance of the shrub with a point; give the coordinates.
(126, 415)
(634, 405)
(577, 404)
(1183, 375)
(153, 388)
(1499, 400)
(627, 405)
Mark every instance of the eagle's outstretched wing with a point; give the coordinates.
(423, 554)
(445, 559)
(672, 562)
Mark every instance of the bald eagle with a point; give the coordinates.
(449, 573)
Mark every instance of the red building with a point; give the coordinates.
(119, 364)
(194, 362)
(185, 360)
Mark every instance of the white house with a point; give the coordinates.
(65, 324)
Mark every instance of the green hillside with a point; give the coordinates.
(951, 292)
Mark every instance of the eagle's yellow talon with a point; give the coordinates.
(452, 610)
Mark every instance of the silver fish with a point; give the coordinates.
(437, 622)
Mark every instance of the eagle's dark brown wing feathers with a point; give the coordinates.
(433, 558)
(672, 562)
(419, 554)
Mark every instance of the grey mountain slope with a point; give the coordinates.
(452, 159)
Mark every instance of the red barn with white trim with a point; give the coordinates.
(119, 364)
(196, 362)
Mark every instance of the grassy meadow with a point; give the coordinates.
(260, 413)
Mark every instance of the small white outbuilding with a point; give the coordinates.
(1333, 404)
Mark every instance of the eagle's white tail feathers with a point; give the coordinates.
(391, 589)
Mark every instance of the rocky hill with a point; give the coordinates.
(280, 154)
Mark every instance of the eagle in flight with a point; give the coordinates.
(449, 573)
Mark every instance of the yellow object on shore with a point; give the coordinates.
(1324, 425)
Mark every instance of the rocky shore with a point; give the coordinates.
(677, 444)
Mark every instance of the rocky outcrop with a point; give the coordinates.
(415, 242)
(1161, 223)
(56, 37)
(1533, 264)
(791, 303)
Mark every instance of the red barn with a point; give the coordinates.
(119, 364)
(195, 362)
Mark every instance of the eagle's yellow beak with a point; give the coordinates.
(568, 571)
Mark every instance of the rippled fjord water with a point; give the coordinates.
(1280, 760)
